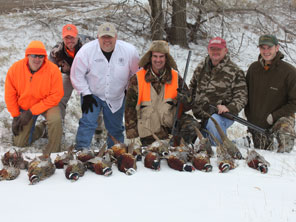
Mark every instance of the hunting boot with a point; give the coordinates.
(74, 170)
(14, 158)
(201, 161)
(152, 160)
(40, 168)
(285, 133)
(9, 173)
(257, 162)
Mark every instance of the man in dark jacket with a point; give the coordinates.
(272, 96)
(62, 54)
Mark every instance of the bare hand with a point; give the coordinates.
(222, 109)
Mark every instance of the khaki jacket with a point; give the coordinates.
(155, 110)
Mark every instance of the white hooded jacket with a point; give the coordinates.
(91, 73)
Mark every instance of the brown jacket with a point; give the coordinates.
(270, 92)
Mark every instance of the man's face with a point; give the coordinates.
(107, 43)
(217, 54)
(35, 62)
(158, 61)
(268, 52)
(70, 42)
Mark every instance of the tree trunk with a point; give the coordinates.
(179, 24)
(157, 20)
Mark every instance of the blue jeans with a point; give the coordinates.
(89, 122)
(210, 126)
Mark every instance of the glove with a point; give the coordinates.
(269, 119)
(24, 119)
(15, 125)
(88, 102)
(184, 96)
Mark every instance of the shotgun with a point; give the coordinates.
(241, 121)
(179, 105)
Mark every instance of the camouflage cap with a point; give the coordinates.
(269, 40)
(158, 46)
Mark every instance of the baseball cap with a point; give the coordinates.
(69, 29)
(107, 29)
(269, 40)
(217, 42)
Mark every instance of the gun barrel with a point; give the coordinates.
(242, 121)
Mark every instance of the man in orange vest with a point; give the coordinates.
(151, 98)
(34, 86)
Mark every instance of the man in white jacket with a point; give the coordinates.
(100, 73)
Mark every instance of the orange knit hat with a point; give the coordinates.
(36, 48)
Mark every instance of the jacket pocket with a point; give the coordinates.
(148, 122)
(167, 113)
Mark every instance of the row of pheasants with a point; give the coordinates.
(181, 158)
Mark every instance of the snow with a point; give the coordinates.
(242, 194)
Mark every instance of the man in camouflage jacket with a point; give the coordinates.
(272, 96)
(152, 109)
(219, 82)
(62, 54)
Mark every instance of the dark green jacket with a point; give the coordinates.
(272, 91)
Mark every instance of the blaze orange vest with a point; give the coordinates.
(144, 95)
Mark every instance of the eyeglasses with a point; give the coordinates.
(39, 56)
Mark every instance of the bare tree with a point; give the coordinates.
(179, 24)
(157, 20)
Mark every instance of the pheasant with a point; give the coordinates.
(178, 158)
(9, 173)
(225, 160)
(15, 159)
(85, 155)
(256, 161)
(61, 161)
(118, 148)
(40, 168)
(74, 170)
(102, 163)
(201, 161)
(126, 162)
(203, 145)
(152, 160)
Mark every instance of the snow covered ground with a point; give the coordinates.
(242, 194)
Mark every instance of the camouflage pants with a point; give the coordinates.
(282, 130)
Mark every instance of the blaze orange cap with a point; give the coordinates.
(70, 30)
(36, 48)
